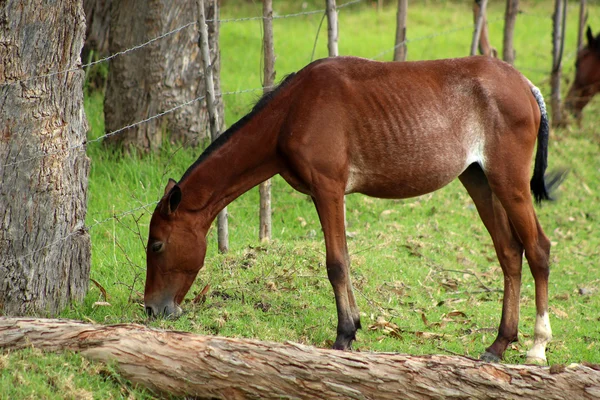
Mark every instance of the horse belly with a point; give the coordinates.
(401, 177)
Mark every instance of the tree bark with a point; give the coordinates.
(181, 363)
(159, 76)
(44, 247)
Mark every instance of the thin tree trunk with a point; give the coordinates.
(332, 28)
(184, 364)
(582, 21)
(222, 226)
(510, 18)
(265, 225)
(480, 35)
(559, 20)
(400, 47)
(44, 246)
(97, 17)
(158, 76)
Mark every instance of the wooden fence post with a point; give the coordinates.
(582, 21)
(510, 18)
(264, 189)
(332, 28)
(223, 233)
(400, 46)
(332, 46)
(479, 26)
(558, 40)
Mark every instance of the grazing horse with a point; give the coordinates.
(587, 76)
(385, 129)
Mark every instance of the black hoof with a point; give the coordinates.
(489, 357)
(344, 342)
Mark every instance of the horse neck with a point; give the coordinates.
(246, 159)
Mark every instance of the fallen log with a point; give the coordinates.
(182, 363)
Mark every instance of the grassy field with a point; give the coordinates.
(424, 270)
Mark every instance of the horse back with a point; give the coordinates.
(402, 129)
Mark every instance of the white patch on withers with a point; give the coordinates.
(541, 336)
(474, 140)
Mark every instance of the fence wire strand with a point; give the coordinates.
(164, 35)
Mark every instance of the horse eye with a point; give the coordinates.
(157, 246)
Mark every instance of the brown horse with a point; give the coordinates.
(587, 76)
(386, 129)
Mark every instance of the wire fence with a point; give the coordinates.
(146, 207)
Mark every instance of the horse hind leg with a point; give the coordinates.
(510, 255)
(516, 200)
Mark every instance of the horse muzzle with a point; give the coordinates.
(166, 310)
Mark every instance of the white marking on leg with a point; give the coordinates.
(542, 335)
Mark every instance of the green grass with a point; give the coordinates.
(424, 270)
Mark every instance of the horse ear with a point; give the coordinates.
(590, 38)
(172, 198)
(169, 186)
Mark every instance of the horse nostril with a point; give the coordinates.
(149, 311)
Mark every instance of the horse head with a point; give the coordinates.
(174, 255)
(587, 76)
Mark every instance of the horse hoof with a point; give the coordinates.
(489, 357)
(536, 361)
(342, 346)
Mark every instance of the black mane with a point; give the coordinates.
(224, 137)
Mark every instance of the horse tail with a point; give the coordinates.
(543, 184)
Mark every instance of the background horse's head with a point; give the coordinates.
(587, 76)
(174, 255)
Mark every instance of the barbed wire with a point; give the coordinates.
(164, 35)
(431, 36)
(132, 125)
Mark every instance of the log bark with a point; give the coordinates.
(215, 367)
(158, 76)
(44, 246)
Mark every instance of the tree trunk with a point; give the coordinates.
(510, 18)
(264, 189)
(558, 40)
(181, 363)
(160, 75)
(44, 247)
(97, 18)
(583, 16)
(480, 36)
(400, 46)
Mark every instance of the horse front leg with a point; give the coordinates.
(330, 207)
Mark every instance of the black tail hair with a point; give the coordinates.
(543, 184)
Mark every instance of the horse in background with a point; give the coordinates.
(587, 77)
